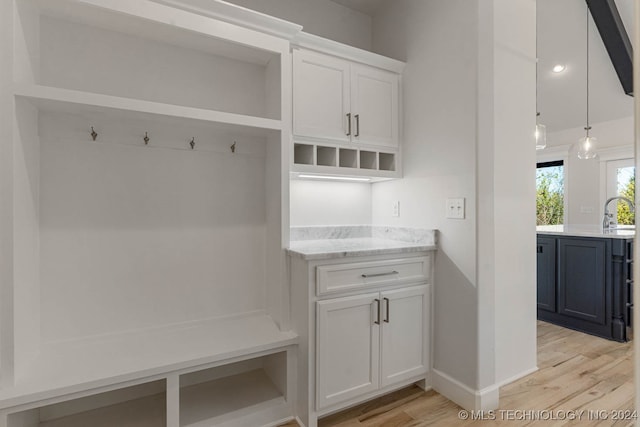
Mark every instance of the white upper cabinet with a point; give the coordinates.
(321, 96)
(344, 101)
(374, 105)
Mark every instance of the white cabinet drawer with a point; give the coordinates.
(345, 277)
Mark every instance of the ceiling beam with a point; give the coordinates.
(616, 40)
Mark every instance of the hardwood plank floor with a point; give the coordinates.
(577, 372)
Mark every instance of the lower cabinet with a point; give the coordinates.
(366, 342)
(364, 324)
(546, 273)
(583, 289)
(585, 283)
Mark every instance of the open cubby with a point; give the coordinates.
(368, 160)
(97, 50)
(387, 161)
(303, 154)
(348, 158)
(326, 156)
(232, 392)
(137, 406)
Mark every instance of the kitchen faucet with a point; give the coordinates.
(608, 222)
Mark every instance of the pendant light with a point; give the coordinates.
(541, 135)
(587, 144)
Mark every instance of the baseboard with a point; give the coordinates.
(463, 395)
(517, 376)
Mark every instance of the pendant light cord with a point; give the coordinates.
(588, 128)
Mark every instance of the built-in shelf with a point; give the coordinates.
(69, 367)
(234, 394)
(317, 158)
(387, 161)
(368, 160)
(348, 158)
(141, 406)
(326, 156)
(303, 154)
(73, 101)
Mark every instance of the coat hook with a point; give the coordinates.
(94, 134)
(193, 143)
(233, 147)
(146, 139)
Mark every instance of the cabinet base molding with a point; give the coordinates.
(472, 400)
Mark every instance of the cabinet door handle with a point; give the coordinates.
(357, 116)
(348, 124)
(386, 319)
(389, 273)
(377, 310)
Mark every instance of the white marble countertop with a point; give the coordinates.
(362, 246)
(586, 231)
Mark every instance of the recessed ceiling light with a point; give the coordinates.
(558, 68)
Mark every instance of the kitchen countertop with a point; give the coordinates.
(362, 246)
(586, 231)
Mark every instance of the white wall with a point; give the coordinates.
(439, 158)
(510, 178)
(584, 179)
(454, 104)
(329, 203)
(193, 248)
(320, 17)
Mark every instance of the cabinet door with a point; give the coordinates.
(546, 273)
(374, 105)
(405, 333)
(321, 100)
(582, 281)
(348, 345)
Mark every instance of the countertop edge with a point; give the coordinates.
(587, 234)
(360, 252)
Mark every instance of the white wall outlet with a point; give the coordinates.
(395, 209)
(455, 208)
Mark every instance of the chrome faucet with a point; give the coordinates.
(608, 222)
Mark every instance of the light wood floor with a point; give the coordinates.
(577, 372)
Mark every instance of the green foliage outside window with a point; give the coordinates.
(625, 216)
(550, 196)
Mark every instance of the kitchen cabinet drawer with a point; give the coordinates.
(346, 277)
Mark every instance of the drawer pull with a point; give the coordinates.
(389, 273)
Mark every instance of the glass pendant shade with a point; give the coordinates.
(587, 147)
(541, 137)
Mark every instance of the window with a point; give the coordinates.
(550, 193)
(621, 181)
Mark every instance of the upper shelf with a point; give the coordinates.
(57, 99)
(155, 21)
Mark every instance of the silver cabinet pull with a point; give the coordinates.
(357, 116)
(386, 319)
(348, 124)
(377, 302)
(389, 273)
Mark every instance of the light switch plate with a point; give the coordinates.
(455, 208)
